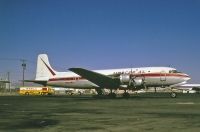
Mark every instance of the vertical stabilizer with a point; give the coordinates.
(44, 70)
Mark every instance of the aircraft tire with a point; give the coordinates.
(173, 95)
(126, 95)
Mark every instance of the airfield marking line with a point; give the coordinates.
(187, 103)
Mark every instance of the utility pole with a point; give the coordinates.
(9, 82)
(23, 68)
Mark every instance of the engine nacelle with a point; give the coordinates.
(125, 78)
(137, 82)
(131, 82)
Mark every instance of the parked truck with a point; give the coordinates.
(36, 91)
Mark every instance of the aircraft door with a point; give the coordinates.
(162, 76)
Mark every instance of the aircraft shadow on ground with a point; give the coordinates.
(134, 97)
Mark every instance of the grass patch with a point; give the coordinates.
(145, 112)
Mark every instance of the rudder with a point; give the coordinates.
(44, 70)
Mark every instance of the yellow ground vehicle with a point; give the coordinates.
(36, 91)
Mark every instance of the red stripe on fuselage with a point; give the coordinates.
(136, 75)
(160, 74)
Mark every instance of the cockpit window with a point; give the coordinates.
(174, 71)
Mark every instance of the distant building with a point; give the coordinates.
(4, 85)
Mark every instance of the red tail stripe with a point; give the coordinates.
(52, 72)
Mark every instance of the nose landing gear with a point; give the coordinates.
(173, 95)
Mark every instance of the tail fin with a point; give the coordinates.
(44, 70)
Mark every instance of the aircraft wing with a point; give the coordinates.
(101, 80)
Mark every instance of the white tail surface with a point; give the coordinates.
(44, 70)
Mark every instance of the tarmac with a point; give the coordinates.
(154, 112)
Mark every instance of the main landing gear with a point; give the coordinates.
(112, 95)
(101, 94)
(126, 95)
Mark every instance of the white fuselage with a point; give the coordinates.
(153, 77)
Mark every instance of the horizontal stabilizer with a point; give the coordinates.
(37, 81)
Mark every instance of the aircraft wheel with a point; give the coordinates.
(99, 91)
(126, 95)
(173, 95)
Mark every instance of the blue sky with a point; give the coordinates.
(99, 34)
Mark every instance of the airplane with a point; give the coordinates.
(113, 79)
(189, 87)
